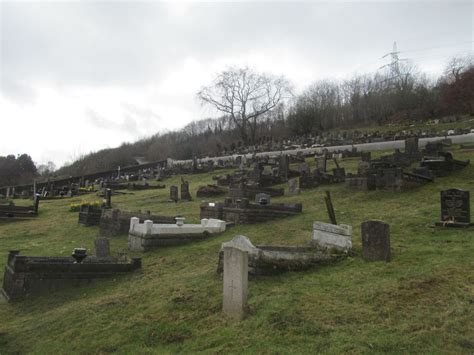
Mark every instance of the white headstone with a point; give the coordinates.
(134, 221)
(148, 226)
(235, 283)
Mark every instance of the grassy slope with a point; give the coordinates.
(422, 301)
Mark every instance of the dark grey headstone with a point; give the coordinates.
(375, 240)
(455, 206)
(185, 194)
(174, 193)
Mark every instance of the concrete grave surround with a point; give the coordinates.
(268, 260)
(330, 236)
(235, 285)
(144, 236)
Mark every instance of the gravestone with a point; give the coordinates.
(284, 166)
(455, 208)
(293, 187)
(321, 163)
(263, 199)
(375, 240)
(235, 283)
(411, 147)
(174, 193)
(185, 195)
(102, 247)
(108, 198)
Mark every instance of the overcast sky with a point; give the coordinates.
(81, 76)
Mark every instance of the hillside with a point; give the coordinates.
(214, 142)
(420, 302)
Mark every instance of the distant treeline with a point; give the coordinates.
(400, 94)
(17, 170)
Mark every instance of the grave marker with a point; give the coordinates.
(455, 208)
(235, 283)
(174, 193)
(185, 195)
(375, 240)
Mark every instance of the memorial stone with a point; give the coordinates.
(235, 283)
(375, 240)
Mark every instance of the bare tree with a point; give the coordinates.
(245, 96)
(456, 66)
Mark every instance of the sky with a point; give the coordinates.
(77, 77)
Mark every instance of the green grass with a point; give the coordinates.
(421, 302)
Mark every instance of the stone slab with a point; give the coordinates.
(235, 285)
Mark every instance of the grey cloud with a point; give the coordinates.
(133, 124)
(144, 115)
(131, 44)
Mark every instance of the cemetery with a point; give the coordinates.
(237, 177)
(298, 269)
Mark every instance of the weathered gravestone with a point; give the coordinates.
(102, 247)
(174, 193)
(328, 236)
(284, 166)
(185, 194)
(235, 283)
(293, 187)
(455, 208)
(411, 148)
(375, 240)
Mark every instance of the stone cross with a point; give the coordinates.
(235, 283)
(375, 240)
